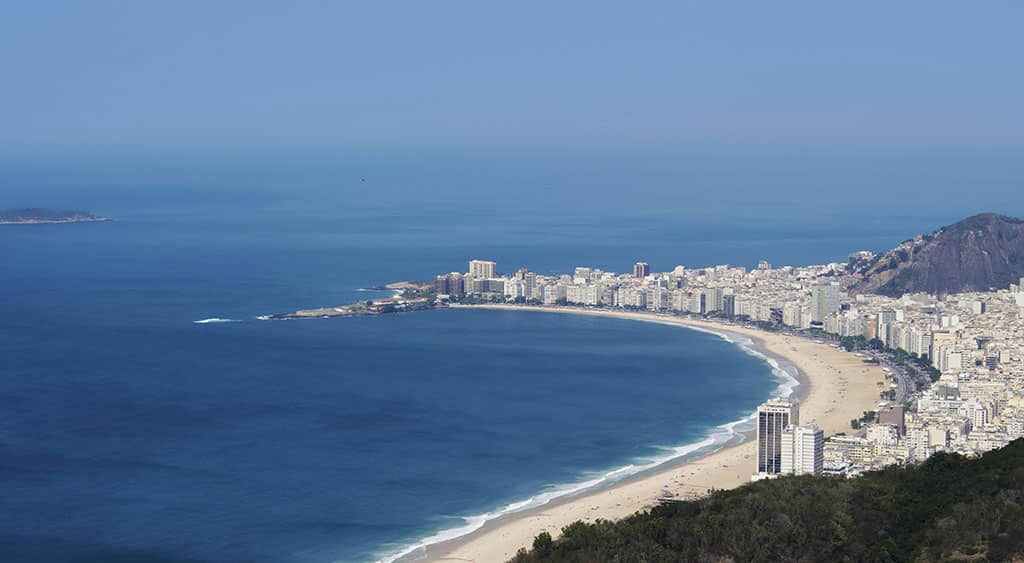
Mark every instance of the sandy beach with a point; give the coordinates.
(837, 387)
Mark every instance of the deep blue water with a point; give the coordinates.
(128, 433)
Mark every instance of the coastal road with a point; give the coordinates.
(905, 385)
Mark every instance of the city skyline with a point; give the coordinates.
(953, 360)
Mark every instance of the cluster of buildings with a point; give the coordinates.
(974, 342)
(783, 446)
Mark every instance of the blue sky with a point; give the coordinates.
(465, 75)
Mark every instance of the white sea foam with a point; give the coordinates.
(717, 438)
(214, 320)
(784, 372)
(394, 292)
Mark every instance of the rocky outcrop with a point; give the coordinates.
(982, 252)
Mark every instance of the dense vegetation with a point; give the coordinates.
(947, 508)
(869, 416)
(913, 364)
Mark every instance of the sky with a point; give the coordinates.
(586, 77)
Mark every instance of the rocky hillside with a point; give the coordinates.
(979, 253)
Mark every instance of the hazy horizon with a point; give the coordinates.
(590, 78)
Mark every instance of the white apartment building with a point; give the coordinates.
(553, 293)
(482, 268)
(882, 434)
(824, 301)
(803, 450)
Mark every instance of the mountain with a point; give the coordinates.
(977, 254)
(948, 508)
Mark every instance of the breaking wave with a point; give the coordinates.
(715, 439)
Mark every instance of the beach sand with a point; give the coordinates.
(837, 386)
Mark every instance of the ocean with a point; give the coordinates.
(148, 415)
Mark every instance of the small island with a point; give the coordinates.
(39, 216)
(410, 296)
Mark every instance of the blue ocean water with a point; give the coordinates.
(128, 432)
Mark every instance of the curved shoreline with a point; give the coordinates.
(790, 384)
(823, 373)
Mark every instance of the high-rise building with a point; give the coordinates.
(482, 268)
(791, 314)
(450, 284)
(764, 265)
(699, 303)
(884, 325)
(641, 270)
(713, 300)
(554, 294)
(680, 301)
(581, 275)
(492, 286)
(803, 450)
(886, 316)
(515, 289)
(824, 302)
(729, 305)
(530, 282)
(870, 326)
(472, 285)
(657, 298)
(772, 419)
